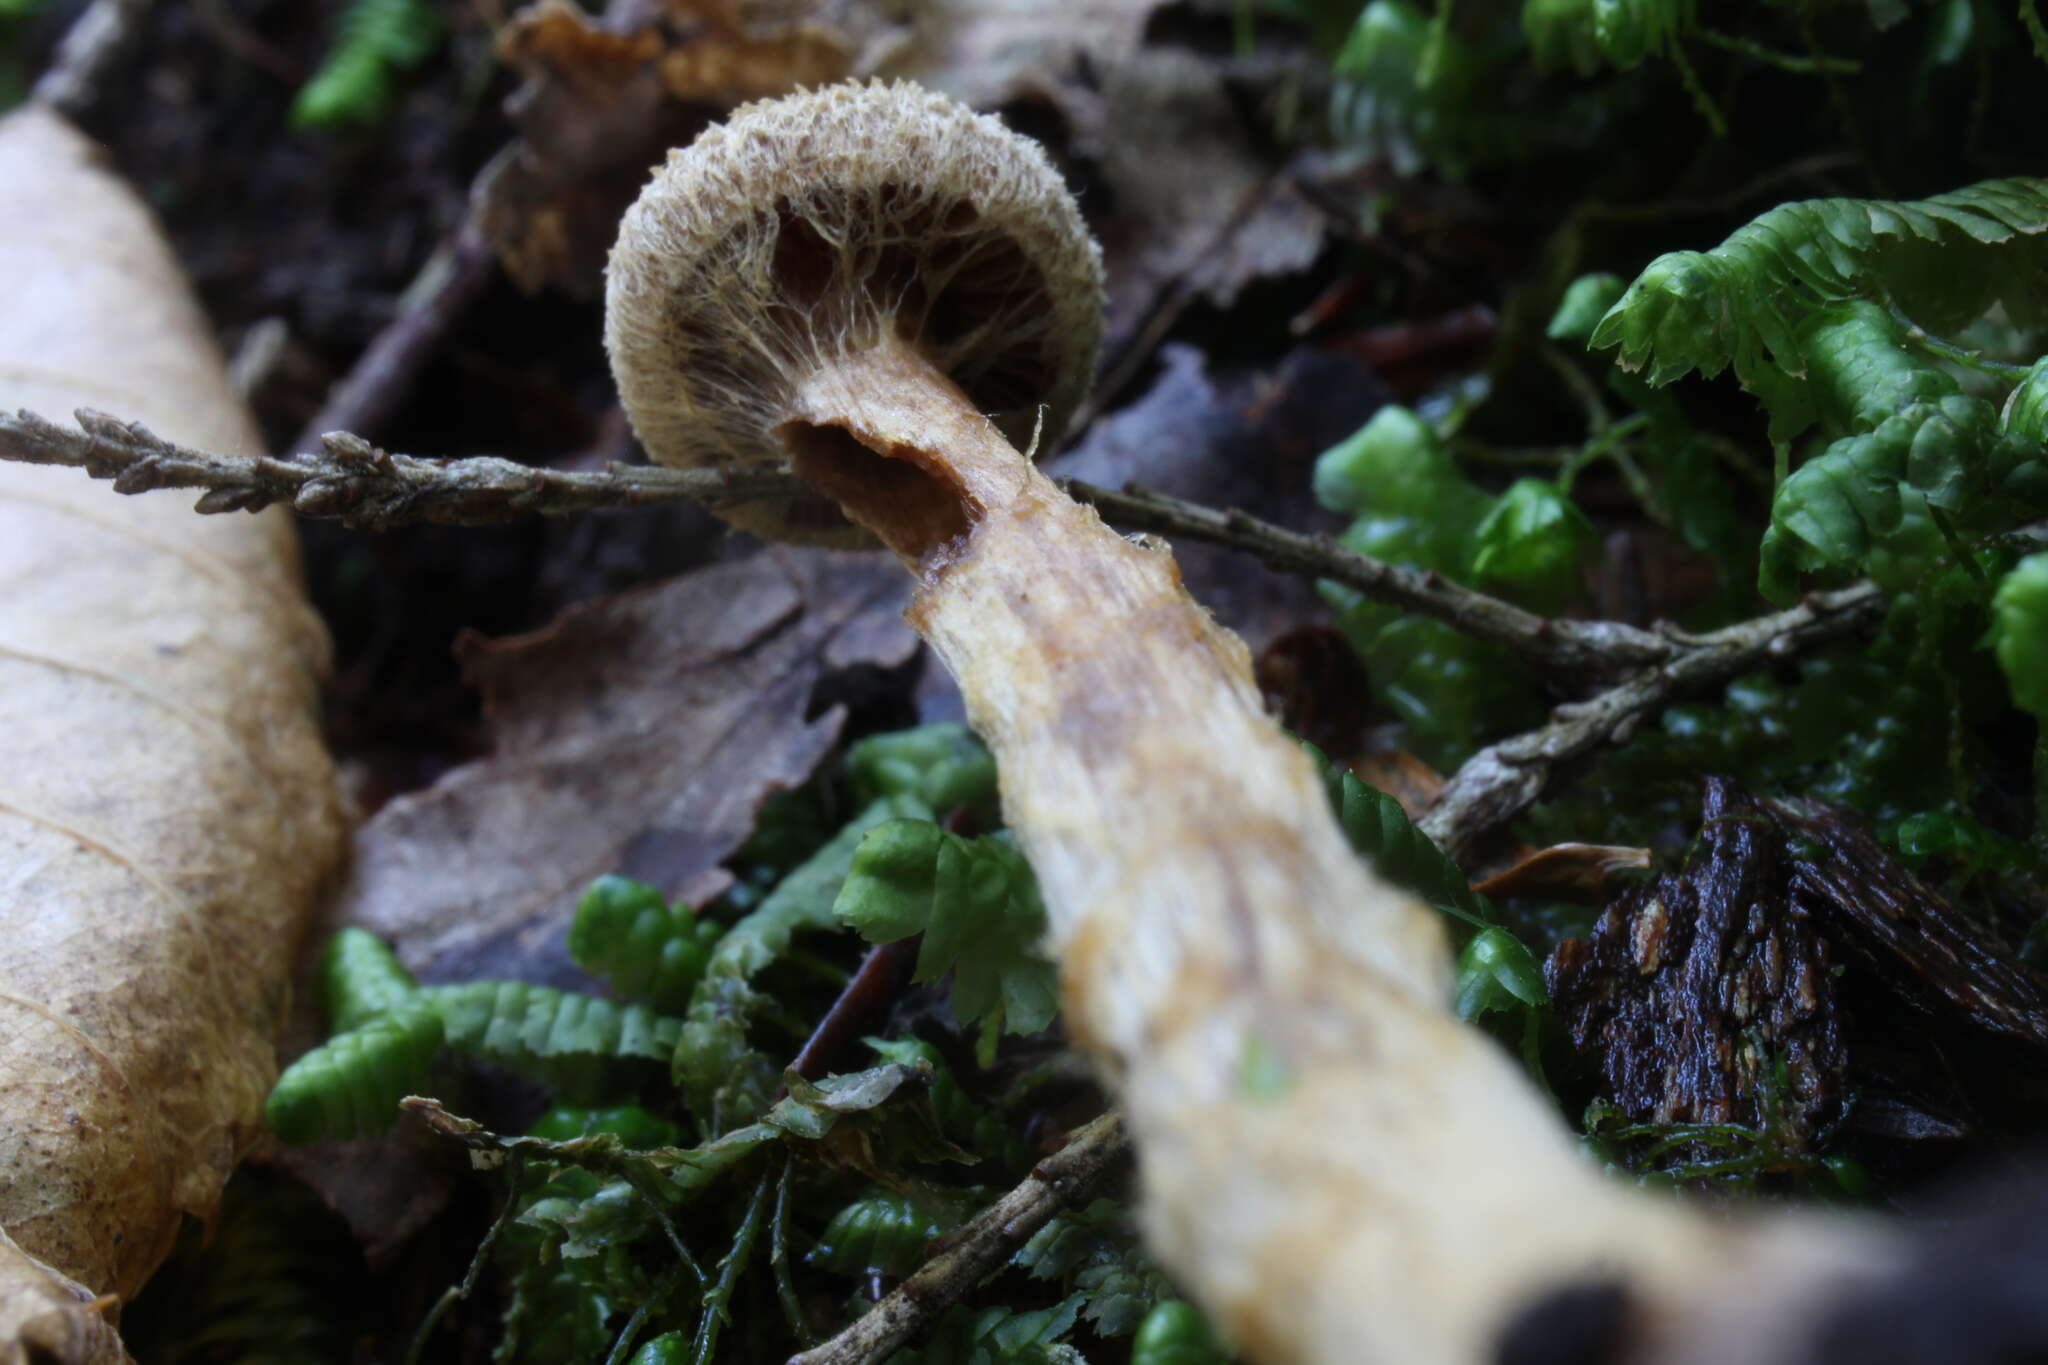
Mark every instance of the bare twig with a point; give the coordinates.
(85, 60)
(880, 975)
(452, 279)
(979, 1248)
(1500, 781)
(355, 482)
(1580, 649)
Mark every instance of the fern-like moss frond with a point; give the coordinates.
(1940, 261)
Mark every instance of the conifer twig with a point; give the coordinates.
(355, 482)
(979, 1248)
(363, 486)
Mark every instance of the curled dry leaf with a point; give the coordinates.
(1198, 209)
(1568, 872)
(636, 734)
(605, 98)
(1316, 686)
(167, 814)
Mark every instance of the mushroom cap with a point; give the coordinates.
(801, 229)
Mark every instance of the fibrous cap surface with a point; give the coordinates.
(813, 226)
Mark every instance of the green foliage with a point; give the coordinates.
(389, 1030)
(635, 1127)
(971, 1126)
(555, 1035)
(1176, 1333)
(1730, 1158)
(1395, 466)
(976, 903)
(1412, 507)
(2021, 631)
(1943, 261)
(941, 766)
(1095, 1252)
(725, 1078)
(1584, 34)
(2026, 410)
(350, 1085)
(670, 1348)
(879, 1231)
(1534, 545)
(591, 1237)
(1909, 433)
(373, 41)
(362, 978)
(1820, 308)
(1404, 87)
(1497, 973)
(272, 1280)
(1586, 300)
(385, 1038)
(551, 1314)
(1381, 833)
(999, 1336)
(621, 1233)
(649, 950)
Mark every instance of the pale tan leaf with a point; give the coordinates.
(167, 813)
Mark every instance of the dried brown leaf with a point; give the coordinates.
(637, 734)
(989, 52)
(604, 99)
(167, 813)
(1572, 872)
(1316, 686)
(1402, 776)
(1199, 210)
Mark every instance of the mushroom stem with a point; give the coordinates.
(1333, 1163)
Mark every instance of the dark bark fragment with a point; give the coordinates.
(1708, 996)
(1764, 986)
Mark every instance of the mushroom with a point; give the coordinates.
(886, 289)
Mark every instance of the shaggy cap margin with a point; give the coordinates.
(804, 226)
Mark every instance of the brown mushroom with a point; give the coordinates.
(1335, 1166)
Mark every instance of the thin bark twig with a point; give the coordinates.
(979, 1248)
(453, 278)
(85, 61)
(1502, 780)
(874, 984)
(1580, 649)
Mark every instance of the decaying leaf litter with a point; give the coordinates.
(1180, 303)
